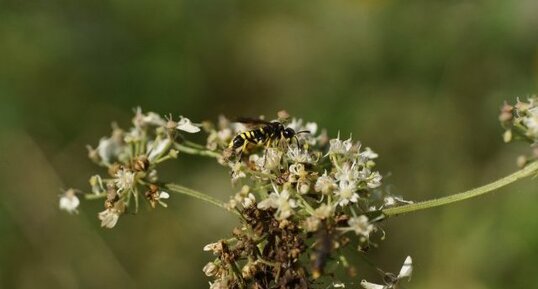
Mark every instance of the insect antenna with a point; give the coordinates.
(303, 131)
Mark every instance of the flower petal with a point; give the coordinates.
(185, 124)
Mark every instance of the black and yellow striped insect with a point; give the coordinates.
(267, 134)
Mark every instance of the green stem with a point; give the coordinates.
(197, 195)
(94, 196)
(529, 170)
(196, 151)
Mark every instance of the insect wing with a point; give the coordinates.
(249, 120)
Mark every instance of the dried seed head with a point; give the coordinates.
(141, 164)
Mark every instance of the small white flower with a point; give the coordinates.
(346, 193)
(109, 217)
(374, 180)
(153, 118)
(367, 285)
(97, 184)
(136, 134)
(248, 201)
(340, 147)
(69, 201)
(219, 284)
(323, 211)
(280, 201)
(185, 124)
(158, 148)
(108, 149)
(360, 226)
(407, 268)
(312, 127)
(210, 269)
(213, 247)
(224, 134)
(347, 173)
(368, 154)
(531, 122)
(272, 158)
(296, 124)
(163, 196)
(125, 180)
(298, 155)
(394, 200)
(392, 283)
(311, 224)
(325, 184)
(237, 171)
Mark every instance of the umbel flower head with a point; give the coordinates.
(520, 122)
(131, 158)
(313, 189)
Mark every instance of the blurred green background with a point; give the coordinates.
(420, 82)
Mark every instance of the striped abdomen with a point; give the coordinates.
(255, 136)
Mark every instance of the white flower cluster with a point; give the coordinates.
(310, 178)
(521, 120)
(131, 158)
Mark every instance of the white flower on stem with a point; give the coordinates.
(282, 202)
(393, 281)
(237, 171)
(531, 122)
(272, 158)
(361, 226)
(368, 154)
(185, 124)
(151, 118)
(109, 217)
(219, 284)
(297, 155)
(69, 202)
(136, 134)
(108, 149)
(407, 269)
(215, 247)
(210, 269)
(158, 148)
(323, 211)
(311, 224)
(390, 201)
(97, 184)
(248, 201)
(338, 146)
(374, 180)
(347, 173)
(163, 196)
(124, 180)
(367, 285)
(311, 127)
(325, 184)
(346, 193)
(298, 172)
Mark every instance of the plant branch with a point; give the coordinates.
(197, 195)
(527, 171)
(196, 151)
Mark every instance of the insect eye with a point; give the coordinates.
(289, 132)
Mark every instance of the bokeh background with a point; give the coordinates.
(421, 82)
